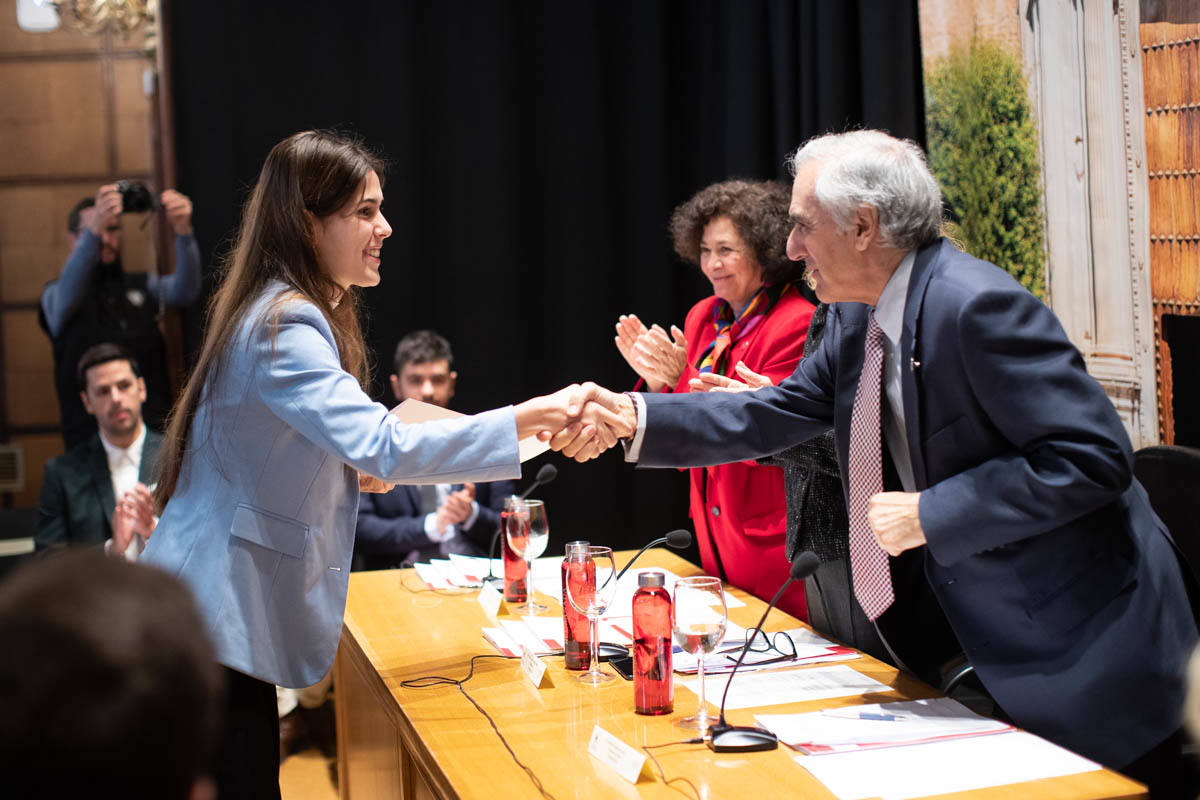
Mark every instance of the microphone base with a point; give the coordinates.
(494, 581)
(740, 739)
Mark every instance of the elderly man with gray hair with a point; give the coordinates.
(988, 478)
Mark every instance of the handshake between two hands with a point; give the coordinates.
(580, 421)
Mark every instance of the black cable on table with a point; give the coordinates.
(662, 775)
(428, 681)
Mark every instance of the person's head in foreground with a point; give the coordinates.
(107, 681)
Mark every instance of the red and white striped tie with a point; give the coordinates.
(868, 561)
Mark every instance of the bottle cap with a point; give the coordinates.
(576, 549)
(651, 580)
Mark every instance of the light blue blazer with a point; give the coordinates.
(261, 524)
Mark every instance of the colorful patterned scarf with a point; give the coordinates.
(730, 330)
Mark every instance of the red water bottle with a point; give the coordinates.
(653, 682)
(577, 636)
(515, 588)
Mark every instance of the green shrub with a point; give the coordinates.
(983, 150)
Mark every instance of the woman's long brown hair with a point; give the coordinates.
(314, 171)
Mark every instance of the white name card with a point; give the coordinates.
(490, 599)
(534, 668)
(626, 761)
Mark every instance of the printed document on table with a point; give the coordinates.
(475, 568)
(954, 765)
(628, 585)
(848, 728)
(415, 411)
(786, 686)
(513, 634)
(432, 577)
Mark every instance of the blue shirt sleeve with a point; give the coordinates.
(61, 298)
(182, 286)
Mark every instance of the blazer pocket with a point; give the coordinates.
(1085, 593)
(945, 436)
(272, 531)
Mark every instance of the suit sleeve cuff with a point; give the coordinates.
(633, 447)
(432, 532)
(469, 522)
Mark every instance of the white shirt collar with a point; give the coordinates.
(889, 309)
(117, 454)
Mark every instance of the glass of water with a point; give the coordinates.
(528, 533)
(699, 626)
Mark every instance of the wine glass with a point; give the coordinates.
(699, 626)
(591, 587)
(528, 532)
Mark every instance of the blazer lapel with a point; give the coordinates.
(414, 497)
(847, 322)
(102, 481)
(910, 357)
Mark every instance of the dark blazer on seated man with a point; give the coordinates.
(77, 494)
(80, 503)
(391, 526)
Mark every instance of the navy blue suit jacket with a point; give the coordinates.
(392, 525)
(1057, 578)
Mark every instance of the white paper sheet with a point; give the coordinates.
(432, 577)
(904, 722)
(476, 567)
(623, 604)
(450, 571)
(776, 687)
(548, 629)
(956, 765)
(415, 411)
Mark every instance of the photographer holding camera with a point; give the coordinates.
(95, 300)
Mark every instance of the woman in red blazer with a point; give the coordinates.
(756, 318)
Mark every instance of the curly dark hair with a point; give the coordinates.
(759, 212)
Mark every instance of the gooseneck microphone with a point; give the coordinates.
(547, 473)
(676, 539)
(725, 738)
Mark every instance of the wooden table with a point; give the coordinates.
(395, 742)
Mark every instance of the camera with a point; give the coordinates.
(135, 197)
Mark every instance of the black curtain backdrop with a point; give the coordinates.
(536, 150)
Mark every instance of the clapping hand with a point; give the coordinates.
(134, 514)
(712, 382)
(457, 508)
(657, 358)
(629, 328)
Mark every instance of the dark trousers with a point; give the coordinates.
(248, 754)
(1169, 771)
(833, 611)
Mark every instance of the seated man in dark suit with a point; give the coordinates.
(422, 522)
(99, 492)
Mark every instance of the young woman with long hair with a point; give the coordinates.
(273, 435)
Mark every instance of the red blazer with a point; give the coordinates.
(740, 507)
